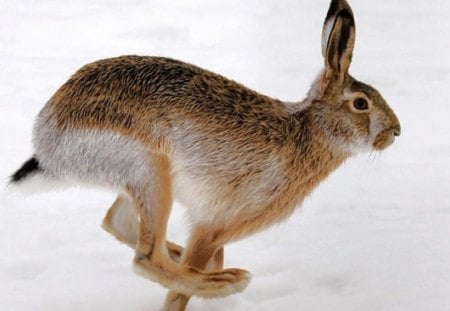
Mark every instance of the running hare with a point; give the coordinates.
(156, 129)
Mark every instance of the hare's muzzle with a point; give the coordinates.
(392, 129)
(386, 138)
(397, 130)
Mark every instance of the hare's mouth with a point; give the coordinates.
(384, 140)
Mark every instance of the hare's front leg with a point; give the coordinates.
(202, 262)
(177, 301)
(122, 222)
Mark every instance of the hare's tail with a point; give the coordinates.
(29, 168)
(32, 178)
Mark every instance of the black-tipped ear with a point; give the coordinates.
(338, 39)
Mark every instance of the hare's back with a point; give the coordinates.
(131, 91)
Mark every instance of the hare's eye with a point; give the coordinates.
(360, 104)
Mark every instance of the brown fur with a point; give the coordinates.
(135, 94)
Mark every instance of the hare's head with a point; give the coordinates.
(353, 113)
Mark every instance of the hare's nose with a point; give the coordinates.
(397, 130)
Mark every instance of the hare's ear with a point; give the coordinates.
(338, 39)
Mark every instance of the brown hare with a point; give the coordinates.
(155, 130)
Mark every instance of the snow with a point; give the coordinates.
(374, 236)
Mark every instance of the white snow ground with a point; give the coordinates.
(374, 236)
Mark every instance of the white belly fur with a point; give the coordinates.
(213, 194)
(110, 159)
(96, 157)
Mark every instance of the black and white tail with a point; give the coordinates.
(26, 170)
(32, 178)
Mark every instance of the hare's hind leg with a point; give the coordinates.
(176, 301)
(122, 222)
(153, 203)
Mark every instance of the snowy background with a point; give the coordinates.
(374, 236)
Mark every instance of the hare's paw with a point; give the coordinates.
(164, 273)
(223, 283)
(191, 281)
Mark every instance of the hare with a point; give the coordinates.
(155, 130)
